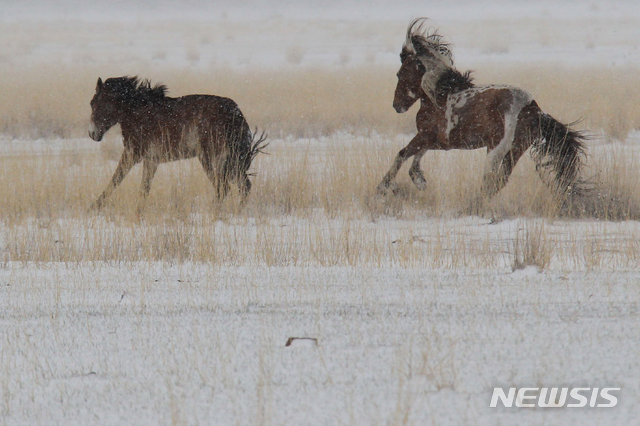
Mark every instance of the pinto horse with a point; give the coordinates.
(158, 129)
(456, 114)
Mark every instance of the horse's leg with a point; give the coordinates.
(497, 174)
(222, 184)
(222, 188)
(244, 186)
(218, 180)
(493, 179)
(124, 166)
(508, 164)
(416, 173)
(493, 182)
(417, 144)
(232, 171)
(500, 164)
(150, 166)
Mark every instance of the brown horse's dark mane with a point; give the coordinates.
(453, 81)
(134, 91)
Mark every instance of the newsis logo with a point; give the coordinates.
(549, 398)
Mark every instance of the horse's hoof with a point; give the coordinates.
(382, 189)
(476, 207)
(418, 179)
(420, 183)
(389, 189)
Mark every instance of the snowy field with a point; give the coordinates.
(190, 344)
(412, 310)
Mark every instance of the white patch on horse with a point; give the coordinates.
(485, 87)
(455, 101)
(460, 99)
(434, 70)
(520, 99)
(411, 94)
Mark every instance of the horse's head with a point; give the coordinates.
(424, 59)
(408, 90)
(105, 112)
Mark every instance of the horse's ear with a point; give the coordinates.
(99, 85)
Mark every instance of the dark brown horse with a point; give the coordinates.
(456, 114)
(158, 129)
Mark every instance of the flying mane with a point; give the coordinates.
(420, 38)
(441, 77)
(453, 81)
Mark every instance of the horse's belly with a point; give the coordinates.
(166, 152)
(461, 138)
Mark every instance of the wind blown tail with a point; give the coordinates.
(560, 149)
(242, 152)
(256, 146)
(244, 146)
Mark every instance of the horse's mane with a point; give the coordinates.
(427, 44)
(134, 90)
(419, 40)
(453, 81)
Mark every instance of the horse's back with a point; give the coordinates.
(214, 107)
(212, 113)
(478, 116)
(501, 97)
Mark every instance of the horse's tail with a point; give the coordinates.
(243, 145)
(243, 148)
(256, 144)
(559, 148)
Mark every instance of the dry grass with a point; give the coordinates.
(531, 247)
(312, 203)
(54, 102)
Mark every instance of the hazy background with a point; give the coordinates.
(333, 9)
(311, 68)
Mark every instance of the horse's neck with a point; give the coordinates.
(427, 106)
(133, 116)
(132, 123)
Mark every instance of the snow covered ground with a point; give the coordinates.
(190, 344)
(416, 320)
(415, 324)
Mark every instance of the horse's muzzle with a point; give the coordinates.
(400, 108)
(95, 133)
(96, 136)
